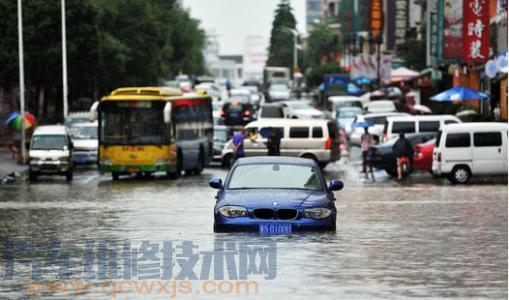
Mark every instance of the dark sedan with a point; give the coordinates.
(275, 195)
(382, 157)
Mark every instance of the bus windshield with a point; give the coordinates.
(125, 123)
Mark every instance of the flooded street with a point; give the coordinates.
(416, 240)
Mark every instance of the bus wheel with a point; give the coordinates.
(114, 175)
(199, 166)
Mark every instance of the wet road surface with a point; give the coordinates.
(423, 238)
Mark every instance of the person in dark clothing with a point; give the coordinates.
(273, 143)
(402, 148)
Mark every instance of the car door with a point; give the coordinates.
(488, 153)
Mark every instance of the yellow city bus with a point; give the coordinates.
(143, 130)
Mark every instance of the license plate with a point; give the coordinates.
(275, 229)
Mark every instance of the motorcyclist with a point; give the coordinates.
(402, 148)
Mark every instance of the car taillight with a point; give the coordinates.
(385, 137)
(247, 113)
(328, 144)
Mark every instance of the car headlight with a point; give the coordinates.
(233, 211)
(317, 213)
(63, 158)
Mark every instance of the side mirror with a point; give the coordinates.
(167, 113)
(92, 115)
(216, 183)
(336, 185)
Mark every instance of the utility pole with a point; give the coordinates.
(21, 82)
(64, 60)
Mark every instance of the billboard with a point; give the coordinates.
(452, 30)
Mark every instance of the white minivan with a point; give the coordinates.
(50, 152)
(470, 149)
(316, 139)
(414, 124)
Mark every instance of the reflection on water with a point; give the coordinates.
(419, 240)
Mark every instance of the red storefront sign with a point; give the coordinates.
(476, 31)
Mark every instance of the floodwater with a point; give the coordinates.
(424, 238)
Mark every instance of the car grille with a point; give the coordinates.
(281, 214)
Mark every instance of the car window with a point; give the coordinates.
(48, 142)
(487, 139)
(275, 176)
(299, 132)
(272, 112)
(457, 140)
(317, 132)
(403, 127)
(429, 126)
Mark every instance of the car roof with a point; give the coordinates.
(475, 126)
(427, 117)
(343, 98)
(50, 129)
(275, 160)
(282, 122)
(383, 114)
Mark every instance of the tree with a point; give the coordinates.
(320, 53)
(109, 44)
(281, 38)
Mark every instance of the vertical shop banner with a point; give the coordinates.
(401, 21)
(376, 18)
(475, 31)
(452, 30)
(433, 32)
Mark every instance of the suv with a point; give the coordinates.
(51, 152)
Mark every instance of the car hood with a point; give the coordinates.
(257, 198)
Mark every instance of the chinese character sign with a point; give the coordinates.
(475, 31)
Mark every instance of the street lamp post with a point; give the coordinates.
(64, 60)
(21, 82)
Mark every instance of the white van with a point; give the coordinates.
(380, 106)
(313, 138)
(50, 152)
(470, 149)
(414, 124)
(378, 122)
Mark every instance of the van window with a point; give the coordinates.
(49, 142)
(456, 140)
(450, 122)
(403, 127)
(429, 126)
(299, 132)
(487, 139)
(317, 132)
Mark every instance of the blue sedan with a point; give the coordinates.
(275, 195)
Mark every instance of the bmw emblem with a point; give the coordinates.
(275, 203)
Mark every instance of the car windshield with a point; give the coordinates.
(85, 133)
(274, 176)
(348, 113)
(48, 142)
(279, 88)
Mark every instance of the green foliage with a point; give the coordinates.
(281, 39)
(314, 75)
(110, 43)
(319, 55)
